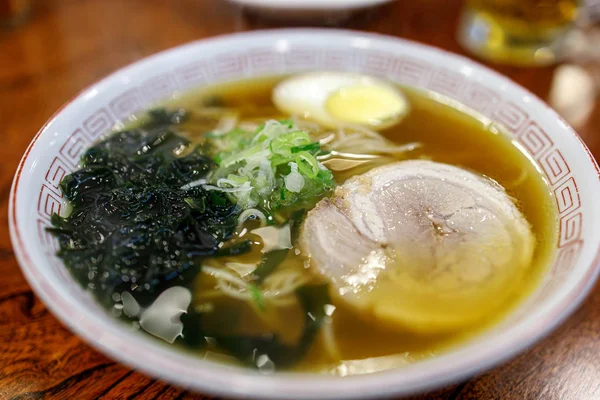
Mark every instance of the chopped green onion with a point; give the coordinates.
(311, 147)
(257, 296)
(263, 160)
(307, 164)
(287, 122)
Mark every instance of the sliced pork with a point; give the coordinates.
(419, 244)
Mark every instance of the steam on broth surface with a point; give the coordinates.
(211, 199)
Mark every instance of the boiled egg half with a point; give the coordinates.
(336, 99)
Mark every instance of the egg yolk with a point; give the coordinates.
(366, 104)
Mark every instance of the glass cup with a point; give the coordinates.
(517, 32)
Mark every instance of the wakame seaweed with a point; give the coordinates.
(271, 260)
(132, 226)
(249, 349)
(137, 225)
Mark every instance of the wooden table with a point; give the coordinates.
(69, 44)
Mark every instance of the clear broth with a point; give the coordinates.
(449, 133)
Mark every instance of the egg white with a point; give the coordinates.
(307, 95)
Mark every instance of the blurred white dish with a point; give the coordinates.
(303, 9)
(311, 4)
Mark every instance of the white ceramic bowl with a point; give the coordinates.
(569, 168)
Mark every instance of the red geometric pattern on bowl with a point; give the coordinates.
(191, 75)
(337, 59)
(411, 71)
(480, 98)
(226, 66)
(301, 57)
(264, 60)
(511, 116)
(566, 257)
(98, 124)
(555, 166)
(74, 147)
(567, 197)
(126, 104)
(378, 63)
(535, 140)
(49, 202)
(402, 69)
(56, 172)
(159, 87)
(446, 82)
(570, 228)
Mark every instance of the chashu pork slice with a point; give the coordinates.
(420, 245)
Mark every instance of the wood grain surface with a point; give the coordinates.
(68, 44)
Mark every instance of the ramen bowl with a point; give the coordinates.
(557, 151)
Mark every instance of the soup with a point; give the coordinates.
(337, 242)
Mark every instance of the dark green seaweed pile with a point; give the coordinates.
(134, 226)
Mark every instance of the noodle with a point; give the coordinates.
(352, 137)
(328, 335)
(519, 181)
(279, 288)
(226, 124)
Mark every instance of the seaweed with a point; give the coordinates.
(132, 226)
(249, 349)
(136, 225)
(271, 260)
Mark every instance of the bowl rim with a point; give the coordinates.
(237, 382)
